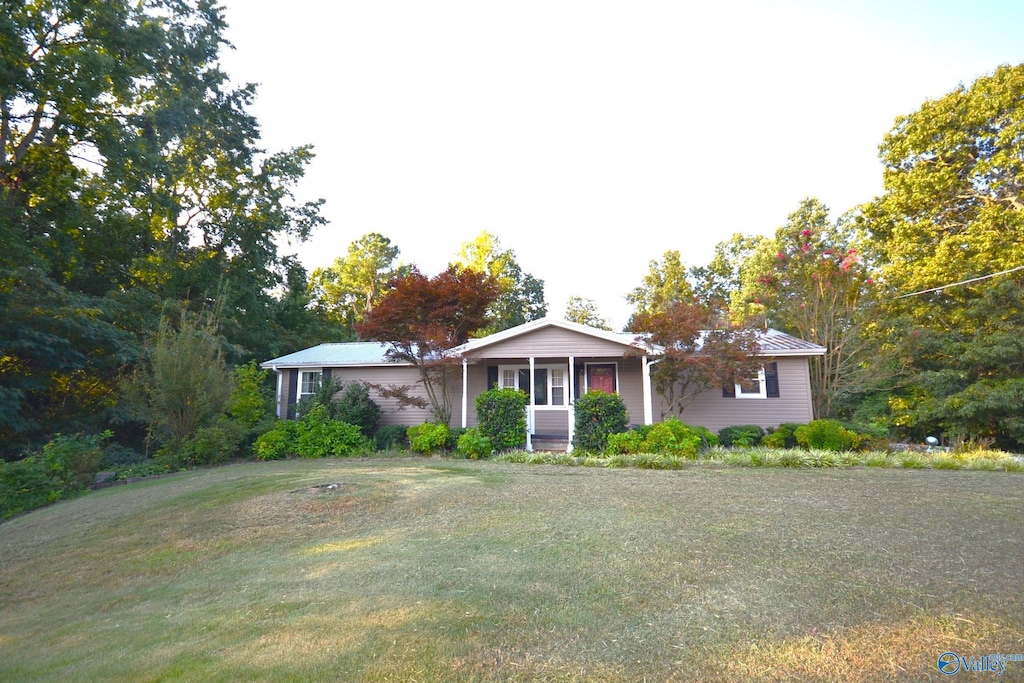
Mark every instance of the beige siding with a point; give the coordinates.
(714, 411)
(551, 342)
(385, 376)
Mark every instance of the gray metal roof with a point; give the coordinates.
(773, 343)
(330, 355)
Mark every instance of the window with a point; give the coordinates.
(764, 385)
(752, 387)
(309, 382)
(557, 376)
(548, 383)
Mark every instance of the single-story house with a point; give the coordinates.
(560, 360)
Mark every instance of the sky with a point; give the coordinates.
(591, 136)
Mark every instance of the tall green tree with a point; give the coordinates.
(812, 280)
(355, 283)
(520, 295)
(953, 210)
(719, 284)
(128, 162)
(666, 283)
(584, 311)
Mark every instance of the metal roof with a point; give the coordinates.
(329, 355)
(773, 343)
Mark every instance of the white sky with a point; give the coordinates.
(593, 136)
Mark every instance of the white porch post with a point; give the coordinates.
(648, 402)
(465, 385)
(531, 411)
(571, 379)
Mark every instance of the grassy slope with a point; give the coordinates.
(430, 570)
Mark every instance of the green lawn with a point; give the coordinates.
(429, 570)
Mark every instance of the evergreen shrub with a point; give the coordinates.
(501, 414)
(427, 437)
(598, 415)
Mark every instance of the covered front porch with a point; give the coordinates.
(552, 385)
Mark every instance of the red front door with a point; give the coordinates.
(601, 378)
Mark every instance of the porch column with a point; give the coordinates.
(465, 385)
(532, 410)
(648, 402)
(571, 380)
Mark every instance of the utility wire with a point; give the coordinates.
(962, 282)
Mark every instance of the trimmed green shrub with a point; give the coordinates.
(783, 436)
(501, 414)
(707, 437)
(599, 414)
(354, 406)
(392, 438)
(673, 436)
(316, 435)
(214, 444)
(625, 442)
(828, 435)
(740, 435)
(427, 437)
(278, 442)
(474, 445)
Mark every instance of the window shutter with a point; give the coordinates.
(293, 392)
(728, 391)
(325, 376)
(771, 379)
(492, 377)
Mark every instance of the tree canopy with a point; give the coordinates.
(520, 295)
(421, 318)
(953, 210)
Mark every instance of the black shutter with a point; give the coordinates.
(728, 391)
(293, 392)
(325, 376)
(771, 379)
(492, 377)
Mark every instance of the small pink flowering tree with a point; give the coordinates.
(813, 281)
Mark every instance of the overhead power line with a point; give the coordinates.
(962, 282)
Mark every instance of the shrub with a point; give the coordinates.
(66, 465)
(354, 406)
(427, 437)
(707, 437)
(783, 436)
(828, 435)
(316, 435)
(870, 437)
(474, 445)
(391, 437)
(214, 444)
(675, 437)
(278, 442)
(599, 414)
(741, 435)
(501, 414)
(625, 442)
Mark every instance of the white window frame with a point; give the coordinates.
(761, 385)
(514, 372)
(317, 375)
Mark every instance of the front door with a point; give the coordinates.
(601, 377)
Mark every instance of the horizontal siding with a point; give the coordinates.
(713, 411)
(389, 406)
(551, 342)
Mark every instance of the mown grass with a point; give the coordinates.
(423, 569)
